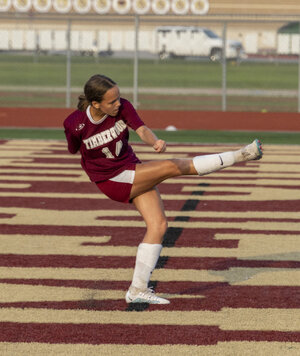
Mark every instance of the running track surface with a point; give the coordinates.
(230, 263)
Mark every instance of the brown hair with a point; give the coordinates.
(94, 90)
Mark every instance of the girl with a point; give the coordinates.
(99, 129)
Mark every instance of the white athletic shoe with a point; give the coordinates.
(134, 295)
(253, 151)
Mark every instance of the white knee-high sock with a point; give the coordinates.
(146, 259)
(211, 163)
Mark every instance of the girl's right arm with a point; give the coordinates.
(149, 137)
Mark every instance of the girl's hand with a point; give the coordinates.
(160, 146)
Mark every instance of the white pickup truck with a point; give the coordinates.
(189, 41)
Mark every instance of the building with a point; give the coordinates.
(111, 26)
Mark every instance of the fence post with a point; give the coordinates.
(299, 67)
(136, 62)
(68, 67)
(224, 70)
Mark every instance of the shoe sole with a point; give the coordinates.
(140, 300)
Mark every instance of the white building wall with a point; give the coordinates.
(75, 41)
(16, 38)
(60, 40)
(250, 43)
(254, 40)
(86, 40)
(284, 44)
(45, 40)
(4, 40)
(267, 40)
(147, 41)
(103, 41)
(30, 42)
(295, 44)
(129, 40)
(116, 40)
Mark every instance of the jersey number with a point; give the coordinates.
(107, 152)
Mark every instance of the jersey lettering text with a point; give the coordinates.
(105, 136)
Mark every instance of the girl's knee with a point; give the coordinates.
(162, 225)
(169, 168)
(180, 166)
(159, 227)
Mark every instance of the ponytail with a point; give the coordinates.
(83, 103)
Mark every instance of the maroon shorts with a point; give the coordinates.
(118, 188)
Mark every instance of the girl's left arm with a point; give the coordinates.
(149, 137)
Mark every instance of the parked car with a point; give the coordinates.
(188, 41)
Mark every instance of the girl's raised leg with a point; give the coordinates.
(148, 175)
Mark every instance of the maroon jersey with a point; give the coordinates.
(103, 144)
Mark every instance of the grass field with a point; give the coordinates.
(50, 71)
(180, 136)
(42, 72)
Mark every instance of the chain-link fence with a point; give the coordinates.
(169, 63)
